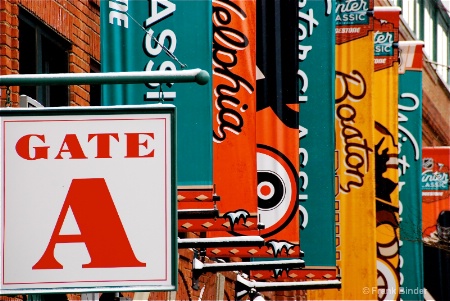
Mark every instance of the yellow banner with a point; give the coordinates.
(385, 95)
(355, 173)
(355, 169)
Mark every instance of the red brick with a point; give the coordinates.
(15, 53)
(5, 4)
(5, 39)
(14, 21)
(15, 64)
(14, 43)
(5, 16)
(4, 61)
(5, 29)
(14, 9)
(74, 69)
(14, 32)
(5, 51)
(5, 70)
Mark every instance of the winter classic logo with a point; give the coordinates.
(352, 20)
(384, 42)
(352, 12)
(435, 180)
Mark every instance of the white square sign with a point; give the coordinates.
(88, 199)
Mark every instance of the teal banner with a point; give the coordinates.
(156, 35)
(316, 76)
(410, 170)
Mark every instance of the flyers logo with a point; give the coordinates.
(388, 283)
(386, 153)
(277, 189)
(279, 246)
(235, 216)
(388, 255)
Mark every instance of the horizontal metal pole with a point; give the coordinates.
(198, 213)
(214, 242)
(199, 267)
(255, 265)
(199, 76)
(282, 286)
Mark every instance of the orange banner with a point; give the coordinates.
(234, 109)
(277, 140)
(436, 195)
(277, 125)
(234, 123)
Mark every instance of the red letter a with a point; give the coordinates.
(100, 227)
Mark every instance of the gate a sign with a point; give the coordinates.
(88, 199)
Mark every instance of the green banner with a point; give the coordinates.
(316, 75)
(156, 35)
(410, 170)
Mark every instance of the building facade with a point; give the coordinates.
(63, 36)
(429, 21)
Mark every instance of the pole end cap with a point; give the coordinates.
(202, 78)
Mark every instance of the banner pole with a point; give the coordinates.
(199, 76)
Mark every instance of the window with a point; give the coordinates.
(42, 50)
(418, 16)
(411, 13)
(430, 22)
(408, 13)
(428, 30)
(442, 49)
(95, 90)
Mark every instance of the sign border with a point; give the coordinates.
(113, 110)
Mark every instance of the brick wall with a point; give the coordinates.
(77, 21)
(9, 46)
(435, 98)
(436, 109)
